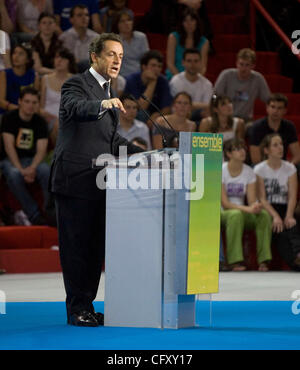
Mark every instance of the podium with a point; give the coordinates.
(163, 233)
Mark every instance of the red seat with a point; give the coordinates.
(278, 83)
(139, 7)
(231, 42)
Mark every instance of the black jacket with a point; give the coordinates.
(82, 137)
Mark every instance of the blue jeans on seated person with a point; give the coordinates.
(17, 184)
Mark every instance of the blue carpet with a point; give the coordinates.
(235, 325)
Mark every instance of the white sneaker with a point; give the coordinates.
(21, 219)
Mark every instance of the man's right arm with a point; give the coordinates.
(9, 146)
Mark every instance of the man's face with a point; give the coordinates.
(192, 63)
(131, 109)
(153, 66)
(276, 110)
(80, 18)
(29, 104)
(108, 63)
(244, 68)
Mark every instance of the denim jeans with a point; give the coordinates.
(17, 184)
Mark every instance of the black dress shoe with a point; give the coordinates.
(99, 317)
(83, 318)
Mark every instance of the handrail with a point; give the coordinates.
(256, 5)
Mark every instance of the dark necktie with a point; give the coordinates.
(106, 88)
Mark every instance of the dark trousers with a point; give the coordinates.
(81, 231)
(288, 241)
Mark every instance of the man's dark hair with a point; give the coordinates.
(97, 45)
(125, 96)
(29, 90)
(151, 54)
(191, 51)
(46, 15)
(79, 6)
(278, 98)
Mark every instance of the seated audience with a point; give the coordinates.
(129, 127)
(45, 44)
(28, 12)
(78, 38)
(62, 10)
(277, 184)
(4, 47)
(197, 86)
(222, 121)
(274, 123)
(189, 35)
(243, 85)
(25, 140)
(179, 120)
(152, 84)
(8, 14)
(64, 67)
(109, 13)
(135, 43)
(238, 183)
(13, 80)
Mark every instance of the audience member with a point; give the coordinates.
(274, 123)
(152, 84)
(28, 12)
(277, 184)
(221, 119)
(197, 86)
(118, 85)
(62, 10)
(238, 183)
(189, 35)
(181, 110)
(135, 43)
(8, 13)
(4, 47)
(243, 85)
(14, 79)
(45, 44)
(129, 127)
(78, 38)
(164, 16)
(64, 67)
(109, 13)
(25, 139)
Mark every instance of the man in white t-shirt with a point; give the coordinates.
(191, 81)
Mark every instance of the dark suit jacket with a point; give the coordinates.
(83, 137)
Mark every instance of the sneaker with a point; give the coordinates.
(21, 219)
(39, 220)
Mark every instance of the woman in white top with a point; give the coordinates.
(64, 67)
(221, 120)
(238, 183)
(277, 185)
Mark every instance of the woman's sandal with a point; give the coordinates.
(264, 267)
(237, 267)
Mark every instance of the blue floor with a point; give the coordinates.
(235, 325)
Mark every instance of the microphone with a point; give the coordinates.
(159, 111)
(155, 124)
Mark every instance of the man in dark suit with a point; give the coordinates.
(88, 127)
